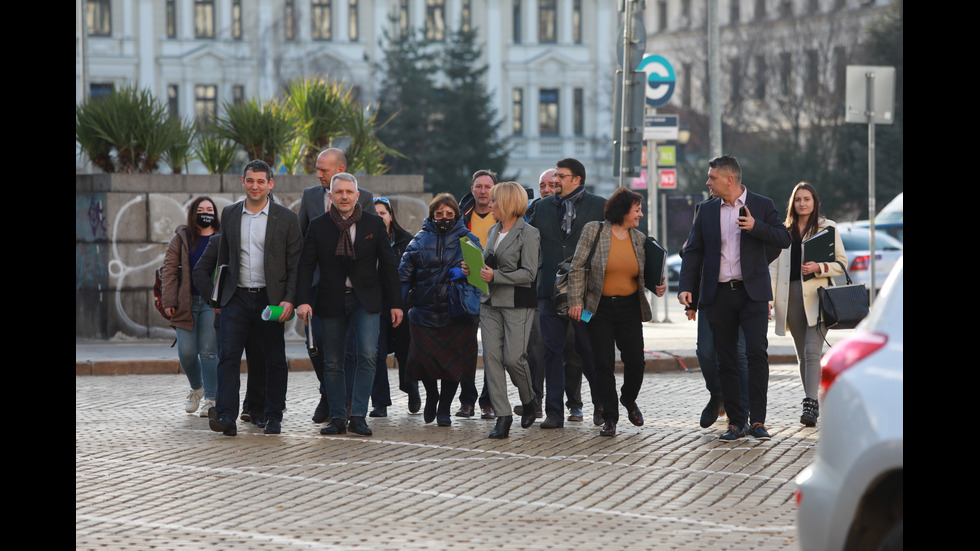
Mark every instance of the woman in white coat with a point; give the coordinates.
(795, 303)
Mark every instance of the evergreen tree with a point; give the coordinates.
(446, 125)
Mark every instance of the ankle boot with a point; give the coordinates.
(811, 410)
(529, 414)
(502, 430)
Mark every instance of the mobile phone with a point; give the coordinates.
(586, 316)
(741, 211)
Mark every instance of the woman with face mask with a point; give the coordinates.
(190, 315)
(443, 341)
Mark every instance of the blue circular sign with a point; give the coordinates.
(660, 79)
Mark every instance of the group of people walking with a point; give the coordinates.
(374, 289)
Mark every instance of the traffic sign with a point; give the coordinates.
(667, 155)
(660, 79)
(660, 127)
(668, 179)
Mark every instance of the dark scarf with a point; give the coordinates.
(570, 202)
(345, 247)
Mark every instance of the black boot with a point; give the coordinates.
(811, 410)
(529, 414)
(502, 430)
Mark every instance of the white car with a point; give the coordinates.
(851, 496)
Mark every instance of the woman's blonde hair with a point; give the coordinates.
(511, 197)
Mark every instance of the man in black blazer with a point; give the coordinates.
(358, 275)
(727, 247)
(260, 242)
(314, 203)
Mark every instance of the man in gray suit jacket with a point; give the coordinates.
(260, 243)
(314, 203)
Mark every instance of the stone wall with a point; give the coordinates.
(123, 223)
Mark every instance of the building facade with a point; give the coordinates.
(551, 63)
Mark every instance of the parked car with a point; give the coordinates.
(890, 220)
(673, 271)
(851, 496)
(857, 244)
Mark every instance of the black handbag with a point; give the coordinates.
(843, 306)
(562, 286)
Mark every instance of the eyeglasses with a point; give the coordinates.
(561, 176)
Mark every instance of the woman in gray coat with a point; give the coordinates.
(510, 267)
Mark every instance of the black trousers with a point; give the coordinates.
(732, 308)
(617, 322)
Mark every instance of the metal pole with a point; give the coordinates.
(628, 67)
(714, 79)
(663, 232)
(652, 202)
(871, 177)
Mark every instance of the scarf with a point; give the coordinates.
(345, 247)
(569, 201)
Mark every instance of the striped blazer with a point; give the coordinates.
(587, 293)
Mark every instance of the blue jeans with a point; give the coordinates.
(197, 349)
(365, 326)
(243, 314)
(709, 362)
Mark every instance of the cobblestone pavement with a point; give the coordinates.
(148, 475)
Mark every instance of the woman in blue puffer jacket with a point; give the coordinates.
(443, 341)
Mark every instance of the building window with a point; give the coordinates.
(435, 20)
(237, 94)
(578, 111)
(577, 21)
(760, 9)
(686, 80)
(786, 73)
(547, 20)
(173, 100)
(204, 18)
(236, 19)
(812, 73)
(352, 20)
(548, 112)
(685, 13)
(812, 6)
(785, 8)
(662, 15)
(403, 17)
(321, 19)
(171, 18)
(760, 77)
(735, 75)
(289, 20)
(734, 12)
(98, 17)
(517, 111)
(99, 90)
(840, 70)
(517, 21)
(205, 103)
(466, 14)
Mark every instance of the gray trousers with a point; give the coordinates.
(808, 340)
(505, 333)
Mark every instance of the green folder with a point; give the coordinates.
(473, 256)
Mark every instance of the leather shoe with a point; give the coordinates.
(608, 429)
(575, 415)
(245, 416)
(444, 421)
(597, 416)
(322, 413)
(528, 419)
(272, 426)
(733, 433)
(634, 414)
(487, 413)
(518, 410)
(379, 411)
(359, 426)
(711, 411)
(465, 410)
(224, 424)
(258, 422)
(335, 427)
(502, 430)
(414, 401)
(553, 422)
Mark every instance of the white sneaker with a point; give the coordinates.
(205, 406)
(194, 400)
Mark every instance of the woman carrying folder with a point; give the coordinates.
(190, 315)
(795, 283)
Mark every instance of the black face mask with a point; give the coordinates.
(205, 219)
(444, 224)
